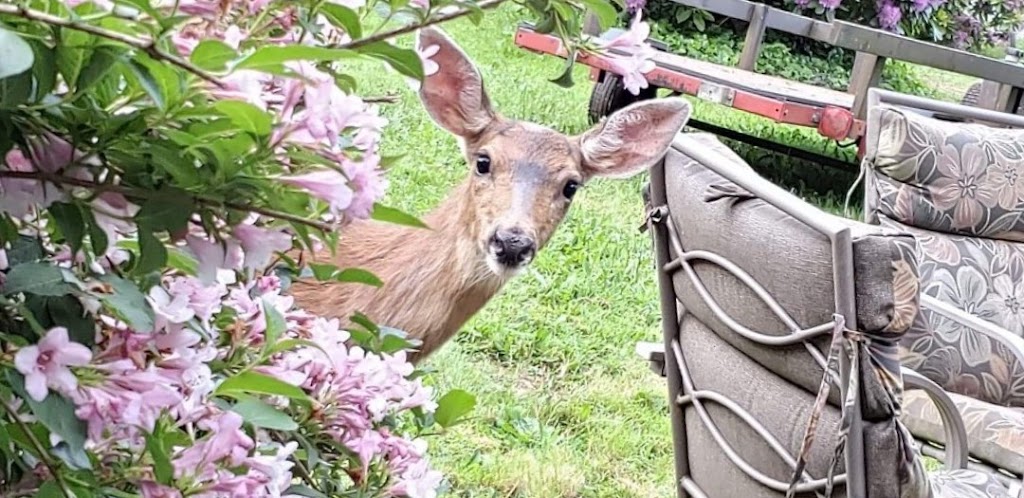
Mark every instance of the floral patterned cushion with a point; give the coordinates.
(953, 351)
(965, 483)
(983, 277)
(956, 178)
(995, 433)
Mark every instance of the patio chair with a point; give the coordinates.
(780, 327)
(958, 187)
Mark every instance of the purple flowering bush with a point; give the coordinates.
(161, 162)
(958, 23)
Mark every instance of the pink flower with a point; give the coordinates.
(418, 481)
(632, 67)
(19, 195)
(151, 489)
(246, 85)
(51, 153)
(204, 300)
(3, 260)
(114, 215)
(168, 309)
(214, 256)
(45, 365)
(260, 244)
(225, 442)
(325, 184)
(633, 38)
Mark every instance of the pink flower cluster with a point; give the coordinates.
(633, 67)
(311, 111)
(134, 379)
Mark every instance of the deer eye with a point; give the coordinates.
(483, 164)
(570, 188)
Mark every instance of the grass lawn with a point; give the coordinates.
(565, 409)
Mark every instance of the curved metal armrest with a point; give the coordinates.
(957, 447)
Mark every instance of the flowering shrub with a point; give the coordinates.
(958, 23)
(162, 161)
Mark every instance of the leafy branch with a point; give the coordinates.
(146, 45)
(44, 455)
(143, 194)
(386, 35)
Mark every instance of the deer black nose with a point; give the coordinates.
(512, 247)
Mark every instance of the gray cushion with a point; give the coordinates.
(781, 407)
(791, 260)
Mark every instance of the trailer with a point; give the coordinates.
(836, 115)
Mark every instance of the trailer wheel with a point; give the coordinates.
(610, 95)
(972, 95)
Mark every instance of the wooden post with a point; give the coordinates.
(867, 72)
(755, 36)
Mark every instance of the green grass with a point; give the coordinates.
(565, 409)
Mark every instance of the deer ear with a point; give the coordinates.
(633, 138)
(454, 95)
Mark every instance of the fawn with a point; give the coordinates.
(521, 181)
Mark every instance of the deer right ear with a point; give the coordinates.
(454, 95)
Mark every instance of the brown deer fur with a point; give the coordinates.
(436, 279)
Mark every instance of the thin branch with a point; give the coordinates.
(352, 45)
(146, 45)
(142, 194)
(382, 99)
(44, 455)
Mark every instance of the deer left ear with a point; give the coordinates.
(633, 138)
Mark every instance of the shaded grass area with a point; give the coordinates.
(565, 409)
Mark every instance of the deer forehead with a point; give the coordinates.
(525, 144)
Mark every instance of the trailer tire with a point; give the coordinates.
(972, 95)
(609, 95)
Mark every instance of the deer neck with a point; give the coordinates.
(434, 279)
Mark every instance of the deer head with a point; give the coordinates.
(523, 176)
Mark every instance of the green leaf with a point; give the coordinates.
(44, 70)
(128, 303)
(303, 490)
(152, 253)
(15, 90)
(452, 406)
(276, 324)
(97, 237)
(359, 276)
(24, 249)
(72, 50)
(213, 55)
(72, 225)
(176, 258)
(16, 55)
(41, 279)
(102, 62)
(405, 61)
(344, 18)
(565, 79)
(260, 414)
(161, 460)
(68, 311)
(605, 12)
(49, 489)
(58, 415)
(168, 210)
(289, 344)
(246, 116)
(147, 82)
(392, 215)
(252, 382)
(272, 56)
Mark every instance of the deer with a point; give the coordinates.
(522, 177)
